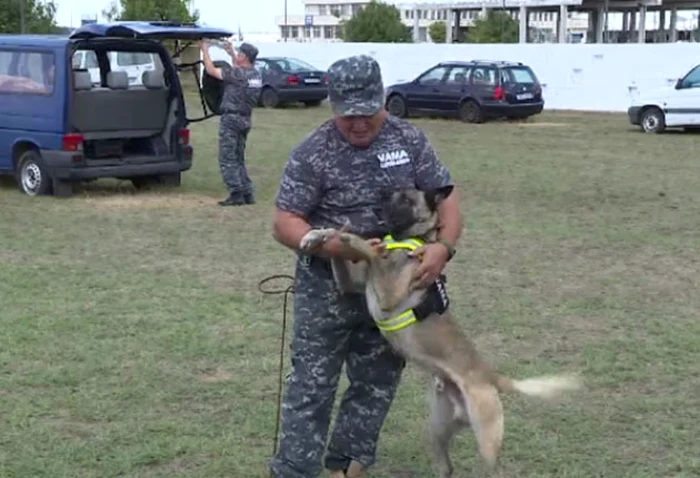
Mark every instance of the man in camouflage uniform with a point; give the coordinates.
(336, 175)
(242, 84)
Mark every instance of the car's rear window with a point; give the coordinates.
(520, 74)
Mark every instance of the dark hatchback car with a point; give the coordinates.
(289, 80)
(472, 90)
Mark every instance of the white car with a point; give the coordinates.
(675, 106)
(133, 63)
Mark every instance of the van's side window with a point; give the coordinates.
(27, 72)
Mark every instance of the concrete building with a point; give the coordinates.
(322, 17)
(563, 21)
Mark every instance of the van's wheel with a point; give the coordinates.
(470, 112)
(396, 106)
(652, 120)
(173, 180)
(32, 178)
(269, 98)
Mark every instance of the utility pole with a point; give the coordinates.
(21, 16)
(605, 28)
(286, 28)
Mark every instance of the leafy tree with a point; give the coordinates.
(39, 16)
(176, 10)
(376, 23)
(496, 27)
(438, 32)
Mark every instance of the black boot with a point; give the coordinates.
(249, 198)
(233, 200)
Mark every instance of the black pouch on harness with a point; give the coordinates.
(436, 300)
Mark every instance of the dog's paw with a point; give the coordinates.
(314, 238)
(345, 238)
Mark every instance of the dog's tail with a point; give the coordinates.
(546, 387)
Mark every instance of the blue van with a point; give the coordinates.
(105, 101)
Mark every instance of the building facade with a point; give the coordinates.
(321, 20)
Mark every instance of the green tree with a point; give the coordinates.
(496, 27)
(39, 16)
(438, 32)
(376, 23)
(176, 10)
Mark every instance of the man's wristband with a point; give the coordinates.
(450, 248)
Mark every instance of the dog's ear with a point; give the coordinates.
(434, 197)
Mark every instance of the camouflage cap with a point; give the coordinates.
(248, 50)
(355, 86)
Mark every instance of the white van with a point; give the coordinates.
(133, 63)
(669, 107)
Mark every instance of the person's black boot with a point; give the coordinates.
(233, 200)
(249, 198)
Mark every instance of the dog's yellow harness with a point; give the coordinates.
(411, 316)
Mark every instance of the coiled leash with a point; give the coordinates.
(286, 292)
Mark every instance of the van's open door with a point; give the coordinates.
(183, 34)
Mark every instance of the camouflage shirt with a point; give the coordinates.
(329, 182)
(241, 90)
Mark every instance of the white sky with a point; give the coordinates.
(253, 16)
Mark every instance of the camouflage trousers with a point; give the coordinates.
(233, 134)
(331, 330)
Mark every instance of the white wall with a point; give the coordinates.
(594, 77)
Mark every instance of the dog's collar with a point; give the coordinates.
(411, 244)
(401, 321)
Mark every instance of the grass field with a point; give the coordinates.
(135, 342)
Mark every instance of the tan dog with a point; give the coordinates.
(465, 389)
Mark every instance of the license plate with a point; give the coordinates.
(525, 96)
(310, 81)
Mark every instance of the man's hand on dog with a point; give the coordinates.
(433, 258)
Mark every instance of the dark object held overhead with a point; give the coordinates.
(213, 89)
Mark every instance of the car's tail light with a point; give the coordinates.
(326, 79)
(184, 136)
(292, 80)
(499, 93)
(72, 142)
(538, 89)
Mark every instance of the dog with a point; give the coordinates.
(465, 389)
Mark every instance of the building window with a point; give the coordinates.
(328, 32)
(317, 32)
(356, 7)
(323, 9)
(295, 32)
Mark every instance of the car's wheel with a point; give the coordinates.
(396, 106)
(32, 178)
(652, 120)
(470, 112)
(269, 98)
(312, 103)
